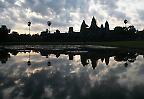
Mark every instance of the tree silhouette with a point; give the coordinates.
(49, 24)
(29, 24)
(131, 29)
(125, 22)
(4, 32)
(119, 30)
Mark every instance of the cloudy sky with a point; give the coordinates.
(66, 13)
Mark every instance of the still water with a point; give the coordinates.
(71, 72)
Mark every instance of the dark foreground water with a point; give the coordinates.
(87, 72)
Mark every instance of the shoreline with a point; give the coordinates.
(123, 44)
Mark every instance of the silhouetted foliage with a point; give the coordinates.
(4, 33)
(131, 29)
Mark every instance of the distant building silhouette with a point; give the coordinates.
(107, 26)
(70, 30)
(44, 33)
(84, 27)
(94, 30)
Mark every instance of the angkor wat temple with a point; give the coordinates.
(94, 29)
(91, 33)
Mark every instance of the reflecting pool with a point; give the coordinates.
(71, 72)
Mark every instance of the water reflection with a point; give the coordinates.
(59, 74)
(29, 62)
(87, 55)
(4, 55)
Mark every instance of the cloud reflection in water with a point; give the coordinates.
(68, 79)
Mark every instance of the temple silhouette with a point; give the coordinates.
(94, 29)
(91, 33)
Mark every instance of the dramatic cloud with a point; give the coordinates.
(141, 14)
(65, 13)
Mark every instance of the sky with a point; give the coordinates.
(69, 13)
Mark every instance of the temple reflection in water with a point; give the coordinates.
(87, 55)
(58, 73)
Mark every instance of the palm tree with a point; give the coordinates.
(49, 24)
(125, 22)
(29, 24)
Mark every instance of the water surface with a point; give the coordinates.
(72, 72)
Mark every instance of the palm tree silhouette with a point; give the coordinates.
(49, 24)
(29, 24)
(125, 22)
